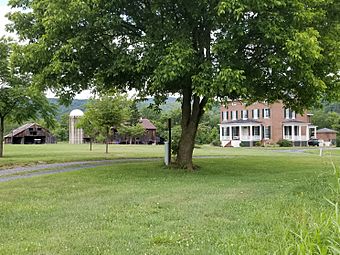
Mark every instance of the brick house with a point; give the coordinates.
(263, 123)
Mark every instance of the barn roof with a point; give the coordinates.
(20, 129)
(147, 124)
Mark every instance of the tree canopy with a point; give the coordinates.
(103, 114)
(255, 50)
(19, 101)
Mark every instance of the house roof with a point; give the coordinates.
(325, 130)
(241, 121)
(147, 124)
(20, 129)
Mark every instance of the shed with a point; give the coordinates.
(30, 133)
(327, 135)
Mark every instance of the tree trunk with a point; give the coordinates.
(107, 140)
(2, 125)
(191, 116)
(90, 144)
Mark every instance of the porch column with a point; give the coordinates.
(300, 134)
(220, 132)
(293, 133)
(315, 132)
(230, 133)
(239, 132)
(251, 135)
(307, 132)
(261, 132)
(283, 132)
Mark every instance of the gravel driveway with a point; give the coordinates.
(37, 170)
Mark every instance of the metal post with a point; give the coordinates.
(169, 148)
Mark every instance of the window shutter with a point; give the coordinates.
(222, 131)
(268, 113)
(227, 115)
(284, 113)
(262, 113)
(241, 114)
(269, 132)
(252, 114)
(237, 115)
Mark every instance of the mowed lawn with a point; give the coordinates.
(52, 153)
(253, 201)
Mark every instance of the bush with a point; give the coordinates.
(285, 143)
(243, 144)
(258, 144)
(337, 142)
(216, 142)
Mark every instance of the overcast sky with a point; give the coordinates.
(3, 20)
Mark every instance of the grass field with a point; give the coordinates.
(254, 201)
(52, 153)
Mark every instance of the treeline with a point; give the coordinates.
(328, 117)
(207, 131)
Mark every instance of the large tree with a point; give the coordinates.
(255, 50)
(19, 101)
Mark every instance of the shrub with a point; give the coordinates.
(258, 144)
(337, 142)
(216, 142)
(243, 144)
(285, 143)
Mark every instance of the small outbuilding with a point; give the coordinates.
(30, 133)
(150, 131)
(327, 135)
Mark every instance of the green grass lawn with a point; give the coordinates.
(52, 153)
(250, 203)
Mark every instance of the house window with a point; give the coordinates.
(244, 114)
(256, 113)
(288, 130)
(222, 130)
(236, 133)
(289, 114)
(226, 115)
(296, 131)
(267, 132)
(266, 113)
(256, 131)
(227, 133)
(234, 115)
(30, 129)
(39, 129)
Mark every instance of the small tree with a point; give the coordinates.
(89, 128)
(104, 113)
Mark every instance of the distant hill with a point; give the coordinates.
(170, 104)
(76, 104)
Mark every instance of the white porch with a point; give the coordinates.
(298, 132)
(234, 134)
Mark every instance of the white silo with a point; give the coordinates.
(75, 134)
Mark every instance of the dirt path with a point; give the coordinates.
(37, 170)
